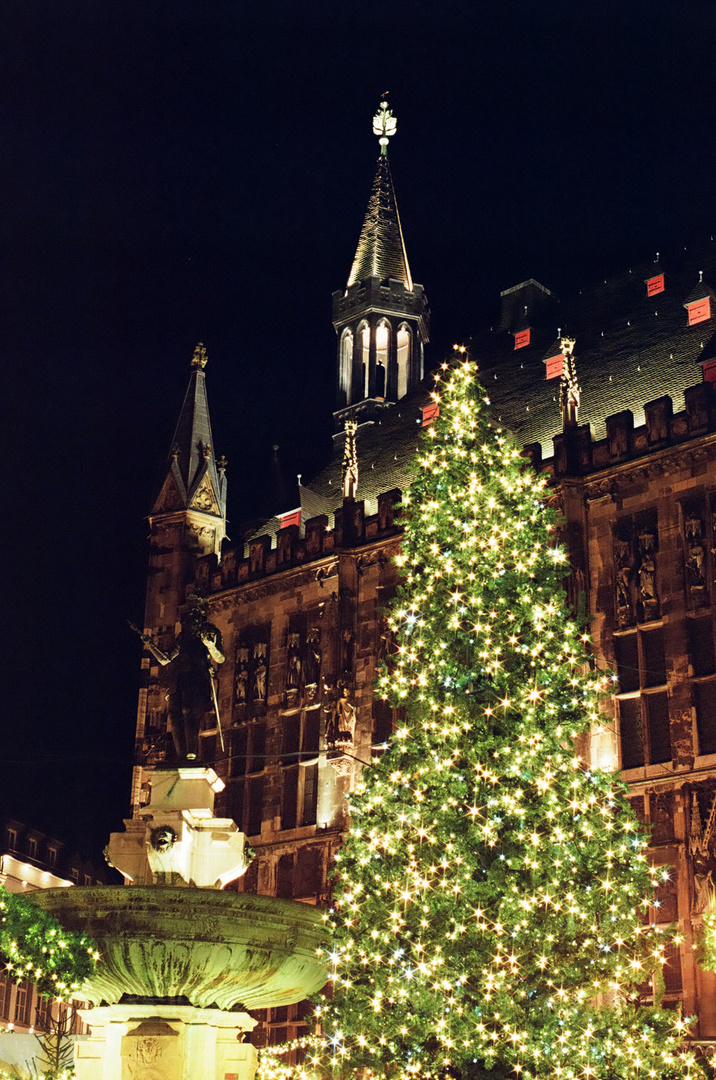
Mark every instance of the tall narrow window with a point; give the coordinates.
(346, 363)
(381, 358)
(403, 361)
(365, 355)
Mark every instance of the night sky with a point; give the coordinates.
(182, 171)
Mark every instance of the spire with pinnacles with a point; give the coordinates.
(381, 317)
(195, 485)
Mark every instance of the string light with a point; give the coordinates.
(34, 946)
(492, 897)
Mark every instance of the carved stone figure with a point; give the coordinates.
(347, 651)
(295, 665)
(260, 671)
(704, 891)
(345, 719)
(695, 554)
(647, 571)
(623, 564)
(241, 691)
(190, 660)
(313, 657)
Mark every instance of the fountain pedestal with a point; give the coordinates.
(181, 965)
(165, 1042)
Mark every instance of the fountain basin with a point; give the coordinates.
(206, 947)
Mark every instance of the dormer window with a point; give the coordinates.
(292, 518)
(655, 285)
(522, 338)
(699, 310)
(709, 370)
(32, 847)
(554, 366)
(430, 412)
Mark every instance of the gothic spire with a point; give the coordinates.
(195, 480)
(381, 247)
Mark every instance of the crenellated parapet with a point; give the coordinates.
(352, 529)
(577, 453)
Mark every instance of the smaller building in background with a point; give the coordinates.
(31, 860)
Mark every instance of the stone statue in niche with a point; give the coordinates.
(260, 672)
(623, 563)
(704, 891)
(347, 651)
(295, 664)
(345, 719)
(241, 682)
(662, 821)
(695, 554)
(313, 657)
(647, 572)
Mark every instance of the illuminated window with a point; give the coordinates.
(699, 311)
(365, 355)
(346, 363)
(23, 1003)
(32, 847)
(655, 285)
(381, 359)
(299, 801)
(522, 338)
(403, 360)
(554, 366)
(5, 996)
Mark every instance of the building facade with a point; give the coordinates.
(31, 860)
(611, 392)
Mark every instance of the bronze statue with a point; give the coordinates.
(192, 692)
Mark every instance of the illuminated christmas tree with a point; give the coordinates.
(491, 899)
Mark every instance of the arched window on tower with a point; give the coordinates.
(346, 363)
(381, 358)
(365, 355)
(403, 360)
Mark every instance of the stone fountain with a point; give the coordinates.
(181, 961)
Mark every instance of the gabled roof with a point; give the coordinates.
(381, 248)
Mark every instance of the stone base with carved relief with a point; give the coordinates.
(165, 1042)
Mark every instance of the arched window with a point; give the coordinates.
(346, 363)
(365, 351)
(403, 360)
(381, 358)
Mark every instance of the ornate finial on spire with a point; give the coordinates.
(569, 389)
(221, 464)
(350, 461)
(199, 358)
(384, 124)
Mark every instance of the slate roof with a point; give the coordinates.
(381, 248)
(630, 349)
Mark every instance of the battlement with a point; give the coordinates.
(577, 453)
(352, 529)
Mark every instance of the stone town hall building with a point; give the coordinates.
(632, 459)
